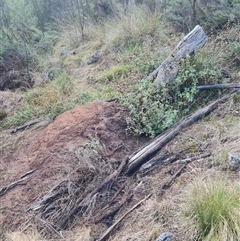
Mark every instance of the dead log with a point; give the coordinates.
(145, 153)
(190, 44)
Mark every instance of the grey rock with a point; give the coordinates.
(68, 53)
(234, 161)
(165, 237)
(94, 58)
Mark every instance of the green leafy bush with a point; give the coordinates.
(152, 110)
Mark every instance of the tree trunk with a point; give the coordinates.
(190, 44)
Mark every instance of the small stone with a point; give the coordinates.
(234, 161)
(94, 58)
(165, 237)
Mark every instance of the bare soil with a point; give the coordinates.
(48, 151)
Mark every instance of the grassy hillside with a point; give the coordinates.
(100, 50)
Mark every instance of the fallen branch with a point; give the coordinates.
(172, 179)
(214, 87)
(194, 158)
(109, 230)
(144, 154)
(158, 160)
(24, 178)
(23, 127)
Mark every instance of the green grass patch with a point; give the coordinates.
(115, 73)
(213, 207)
(48, 101)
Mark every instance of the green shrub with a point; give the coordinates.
(212, 207)
(152, 110)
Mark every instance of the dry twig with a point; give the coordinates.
(24, 178)
(109, 230)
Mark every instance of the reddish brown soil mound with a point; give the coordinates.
(50, 152)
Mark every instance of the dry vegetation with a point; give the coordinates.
(131, 46)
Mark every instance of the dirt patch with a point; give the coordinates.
(9, 101)
(50, 153)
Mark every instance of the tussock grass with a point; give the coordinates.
(212, 207)
(124, 30)
(133, 28)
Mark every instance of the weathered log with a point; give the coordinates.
(144, 154)
(190, 44)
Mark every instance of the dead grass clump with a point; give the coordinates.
(19, 236)
(84, 168)
(212, 207)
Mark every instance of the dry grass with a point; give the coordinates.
(19, 236)
(144, 223)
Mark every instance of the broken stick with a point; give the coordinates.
(24, 178)
(109, 230)
(23, 127)
(172, 179)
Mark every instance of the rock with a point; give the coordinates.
(68, 53)
(234, 161)
(94, 58)
(9, 101)
(165, 237)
